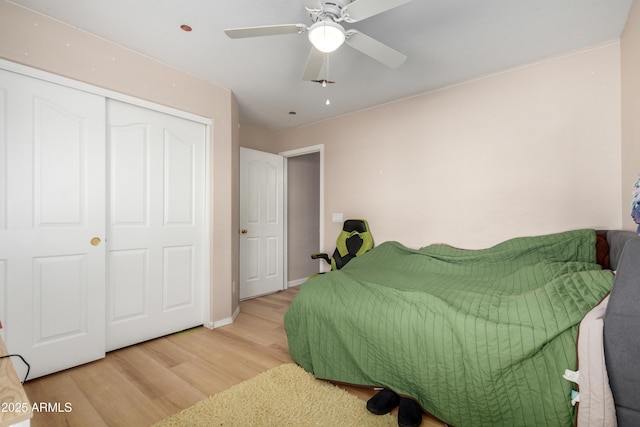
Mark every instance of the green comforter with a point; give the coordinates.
(478, 337)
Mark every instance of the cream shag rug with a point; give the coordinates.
(283, 396)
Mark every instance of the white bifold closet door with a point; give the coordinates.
(52, 207)
(156, 234)
(102, 213)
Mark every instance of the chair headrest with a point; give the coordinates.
(358, 225)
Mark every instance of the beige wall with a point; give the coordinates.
(34, 40)
(258, 137)
(527, 151)
(630, 47)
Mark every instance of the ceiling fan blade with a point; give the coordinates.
(363, 9)
(312, 4)
(315, 61)
(267, 30)
(373, 48)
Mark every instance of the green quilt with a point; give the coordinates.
(478, 337)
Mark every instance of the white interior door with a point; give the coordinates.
(52, 206)
(156, 241)
(261, 223)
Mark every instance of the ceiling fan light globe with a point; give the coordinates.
(326, 36)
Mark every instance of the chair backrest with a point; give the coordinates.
(354, 240)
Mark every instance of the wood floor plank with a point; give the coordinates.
(61, 388)
(145, 373)
(166, 352)
(207, 378)
(118, 401)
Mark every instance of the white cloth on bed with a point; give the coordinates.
(596, 407)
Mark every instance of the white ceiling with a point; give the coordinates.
(446, 42)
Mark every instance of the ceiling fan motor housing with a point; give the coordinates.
(330, 10)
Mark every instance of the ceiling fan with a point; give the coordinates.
(326, 34)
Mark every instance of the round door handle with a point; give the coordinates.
(95, 241)
(243, 231)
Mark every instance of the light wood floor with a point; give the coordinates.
(142, 384)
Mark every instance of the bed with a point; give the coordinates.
(477, 337)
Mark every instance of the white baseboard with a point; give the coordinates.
(296, 282)
(226, 321)
(209, 325)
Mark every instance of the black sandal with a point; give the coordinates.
(409, 413)
(383, 402)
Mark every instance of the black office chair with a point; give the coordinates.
(354, 240)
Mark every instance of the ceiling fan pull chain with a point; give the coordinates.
(326, 79)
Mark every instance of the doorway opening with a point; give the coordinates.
(304, 207)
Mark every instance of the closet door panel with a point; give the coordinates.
(59, 157)
(156, 225)
(129, 154)
(53, 157)
(180, 172)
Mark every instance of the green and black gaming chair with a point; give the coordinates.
(354, 240)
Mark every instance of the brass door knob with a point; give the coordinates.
(95, 241)
(243, 231)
